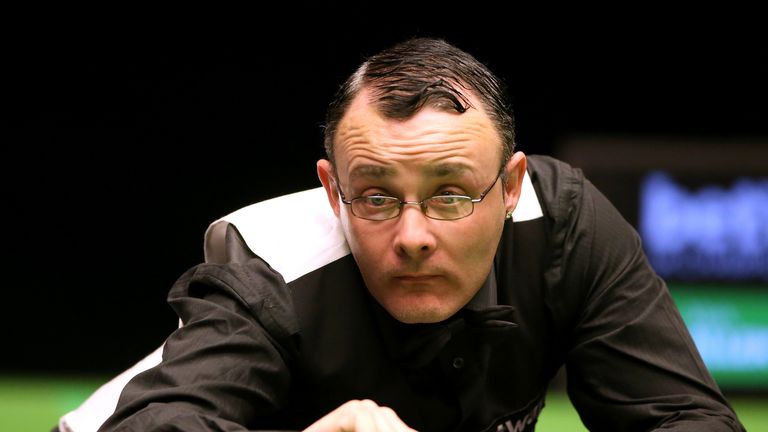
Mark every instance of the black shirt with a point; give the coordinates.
(260, 351)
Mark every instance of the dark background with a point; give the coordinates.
(123, 148)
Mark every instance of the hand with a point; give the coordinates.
(360, 416)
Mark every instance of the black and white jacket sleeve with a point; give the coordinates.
(228, 365)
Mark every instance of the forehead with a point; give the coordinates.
(445, 139)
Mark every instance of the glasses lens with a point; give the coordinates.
(447, 207)
(376, 207)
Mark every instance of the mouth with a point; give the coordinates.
(417, 278)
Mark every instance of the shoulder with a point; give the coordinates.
(559, 186)
(294, 234)
(243, 289)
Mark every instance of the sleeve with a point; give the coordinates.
(227, 367)
(632, 364)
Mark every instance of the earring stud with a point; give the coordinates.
(508, 216)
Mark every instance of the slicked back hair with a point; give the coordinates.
(424, 72)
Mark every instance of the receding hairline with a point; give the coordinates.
(446, 84)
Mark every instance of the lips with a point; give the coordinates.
(415, 278)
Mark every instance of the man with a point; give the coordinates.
(450, 312)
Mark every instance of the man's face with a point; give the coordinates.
(419, 269)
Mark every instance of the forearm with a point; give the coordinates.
(169, 418)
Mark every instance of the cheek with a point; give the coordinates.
(476, 243)
(365, 240)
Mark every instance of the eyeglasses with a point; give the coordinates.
(440, 207)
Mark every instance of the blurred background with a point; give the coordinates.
(124, 145)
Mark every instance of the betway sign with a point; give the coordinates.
(708, 233)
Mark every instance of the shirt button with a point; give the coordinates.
(458, 363)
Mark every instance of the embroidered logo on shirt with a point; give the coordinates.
(521, 422)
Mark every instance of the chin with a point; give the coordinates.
(421, 314)
(410, 305)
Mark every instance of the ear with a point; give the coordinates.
(325, 174)
(515, 170)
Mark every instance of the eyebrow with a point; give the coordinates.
(378, 171)
(371, 171)
(446, 169)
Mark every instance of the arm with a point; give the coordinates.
(632, 363)
(227, 366)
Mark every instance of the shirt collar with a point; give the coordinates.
(487, 296)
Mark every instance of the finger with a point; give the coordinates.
(366, 414)
(342, 419)
(394, 421)
(384, 421)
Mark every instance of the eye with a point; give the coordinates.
(448, 200)
(379, 201)
(450, 191)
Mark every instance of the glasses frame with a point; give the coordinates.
(421, 204)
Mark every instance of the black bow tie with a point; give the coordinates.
(416, 345)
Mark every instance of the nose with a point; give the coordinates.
(414, 237)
